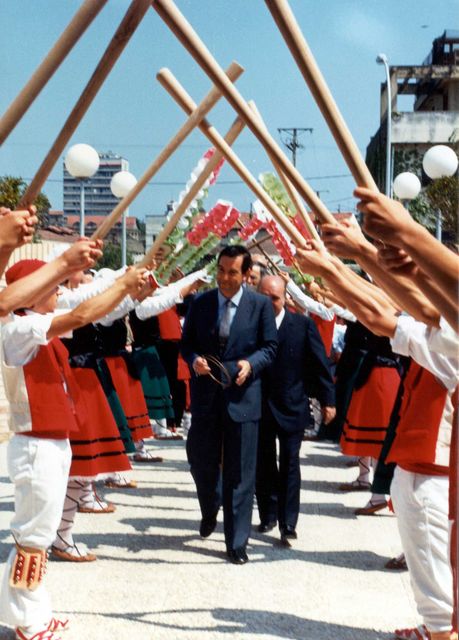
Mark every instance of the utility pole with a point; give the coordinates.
(289, 137)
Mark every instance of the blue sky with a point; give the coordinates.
(133, 116)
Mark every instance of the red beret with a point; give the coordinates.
(21, 269)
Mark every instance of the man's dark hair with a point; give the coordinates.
(235, 250)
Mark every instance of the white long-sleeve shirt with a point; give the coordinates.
(166, 297)
(312, 306)
(22, 336)
(412, 339)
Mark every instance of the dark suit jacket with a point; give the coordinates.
(253, 337)
(300, 370)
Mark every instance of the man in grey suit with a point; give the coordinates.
(236, 327)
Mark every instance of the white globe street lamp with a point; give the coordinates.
(439, 161)
(407, 186)
(82, 162)
(120, 185)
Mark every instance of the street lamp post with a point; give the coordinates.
(121, 184)
(382, 59)
(82, 162)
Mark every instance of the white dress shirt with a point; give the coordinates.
(412, 339)
(22, 336)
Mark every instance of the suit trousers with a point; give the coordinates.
(278, 486)
(421, 506)
(39, 469)
(222, 456)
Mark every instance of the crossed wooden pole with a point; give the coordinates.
(297, 187)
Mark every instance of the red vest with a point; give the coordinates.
(52, 409)
(169, 325)
(421, 412)
(325, 328)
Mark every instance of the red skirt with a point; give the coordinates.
(132, 400)
(369, 413)
(97, 448)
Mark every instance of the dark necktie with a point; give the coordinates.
(225, 325)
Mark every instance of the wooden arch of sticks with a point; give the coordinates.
(296, 186)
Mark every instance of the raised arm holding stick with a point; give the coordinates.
(16, 229)
(363, 299)
(348, 241)
(388, 221)
(26, 291)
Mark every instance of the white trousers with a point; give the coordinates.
(421, 506)
(39, 469)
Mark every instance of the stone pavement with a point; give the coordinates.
(156, 579)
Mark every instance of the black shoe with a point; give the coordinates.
(237, 556)
(264, 527)
(207, 526)
(288, 532)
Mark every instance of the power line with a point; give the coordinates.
(291, 141)
(175, 183)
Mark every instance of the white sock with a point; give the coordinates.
(364, 469)
(140, 446)
(89, 498)
(64, 538)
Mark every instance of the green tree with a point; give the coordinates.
(111, 258)
(11, 191)
(439, 195)
(443, 196)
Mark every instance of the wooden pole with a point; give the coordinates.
(234, 71)
(123, 34)
(291, 191)
(179, 94)
(273, 264)
(258, 243)
(211, 165)
(188, 37)
(299, 49)
(69, 37)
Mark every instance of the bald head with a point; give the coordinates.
(274, 287)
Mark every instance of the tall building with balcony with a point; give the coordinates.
(99, 199)
(434, 118)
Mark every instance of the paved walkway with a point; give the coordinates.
(156, 579)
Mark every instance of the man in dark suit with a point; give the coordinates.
(235, 326)
(300, 369)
